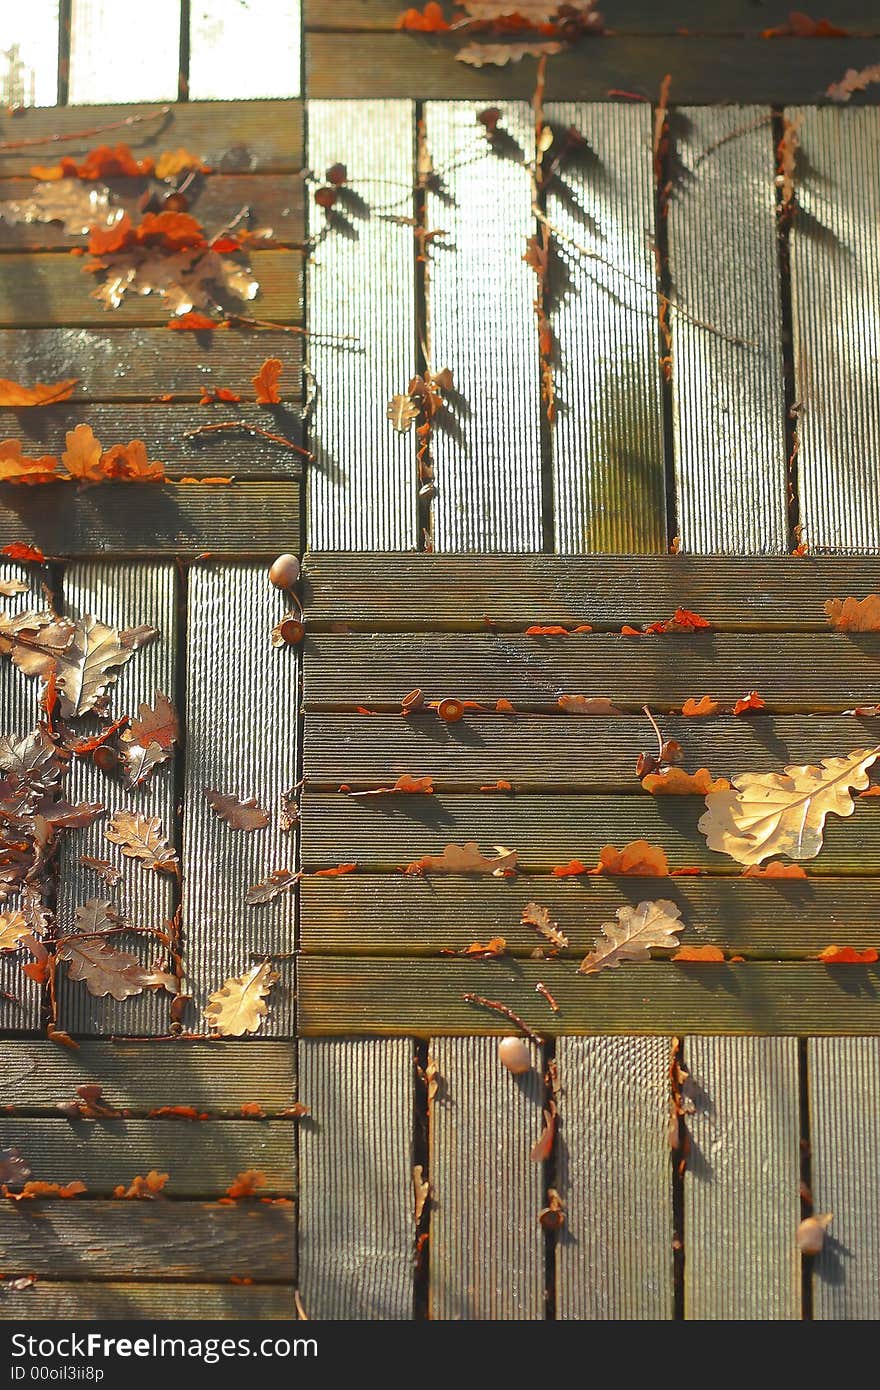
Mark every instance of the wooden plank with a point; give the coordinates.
(777, 919)
(121, 596)
(362, 485)
(164, 428)
(151, 519)
(487, 446)
(552, 753)
(706, 69)
(40, 290)
(614, 1159)
(150, 1302)
(842, 1077)
(241, 722)
(606, 590)
(29, 46)
(728, 398)
(741, 1198)
(607, 442)
(222, 32)
(262, 136)
(424, 998)
(275, 201)
(215, 1078)
(201, 1161)
(487, 1247)
(834, 268)
(137, 364)
(148, 1240)
(111, 62)
(801, 673)
(357, 1228)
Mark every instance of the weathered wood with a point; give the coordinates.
(613, 1159)
(151, 1302)
(261, 136)
(487, 443)
(109, 61)
(606, 590)
(164, 429)
(241, 722)
(351, 995)
(201, 1161)
(842, 1076)
(224, 32)
(214, 1078)
(741, 1199)
(357, 1228)
(487, 1248)
(29, 41)
(78, 1239)
(607, 442)
(139, 364)
(121, 596)
(40, 290)
(777, 919)
(362, 485)
(834, 270)
(728, 399)
(151, 519)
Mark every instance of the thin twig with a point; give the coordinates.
(289, 328)
(230, 426)
(731, 135)
(497, 1008)
(57, 139)
(653, 722)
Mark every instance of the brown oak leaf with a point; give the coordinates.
(631, 938)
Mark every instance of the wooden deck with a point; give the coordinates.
(762, 432)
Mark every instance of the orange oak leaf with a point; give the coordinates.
(749, 702)
(27, 554)
(146, 1187)
(404, 783)
(848, 955)
(675, 781)
(430, 20)
(854, 614)
(583, 704)
(776, 869)
(699, 953)
(571, 869)
(266, 382)
(45, 1189)
(699, 709)
(503, 706)
(216, 394)
(103, 162)
(193, 322)
(177, 1112)
(682, 620)
(637, 857)
(82, 456)
(480, 951)
(15, 395)
(335, 872)
(871, 791)
(247, 1184)
(554, 630)
(15, 467)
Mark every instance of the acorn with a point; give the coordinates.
(811, 1233)
(106, 758)
(325, 197)
(336, 174)
(450, 710)
(284, 572)
(514, 1054)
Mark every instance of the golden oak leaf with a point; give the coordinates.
(675, 781)
(14, 927)
(141, 837)
(698, 953)
(401, 412)
(854, 614)
(239, 1006)
(12, 394)
(464, 859)
(631, 937)
(638, 857)
(82, 457)
(783, 812)
(128, 463)
(16, 467)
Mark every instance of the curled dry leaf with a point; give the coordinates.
(241, 815)
(16, 467)
(479, 950)
(402, 411)
(854, 614)
(699, 709)
(771, 813)
(552, 1217)
(638, 857)
(583, 704)
(278, 881)
(775, 870)
(634, 934)
(106, 970)
(746, 703)
(35, 1189)
(14, 1171)
(811, 1232)
(405, 783)
(421, 1191)
(695, 954)
(14, 395)
(147, 1187)
(537, 916)
(464, 859)
(238, 1006)
(141, 837)
(247, 1184)
(26, 554)
(853, 80)
(543, 1147)
(848, 955)
(266, 382)
(10, 587)
(675, 781)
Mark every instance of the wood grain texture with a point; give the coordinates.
(613, 1159)
(82, 1301)
(41, 289)
(741, 1201)
(728, 399)
(487, 1247)
(357, 1228)
(222, 31)
(108, 62)
(608, 468)
(149, 519)
(362, 485)
(262, 136)
(487, 443)
(424, 998)
(201, 1160)
(214, 1078)
(842, 1075)
(776, 919)
(207, 1243)
(29, 44)
(241, 722)
(121, 596)
(834, 269)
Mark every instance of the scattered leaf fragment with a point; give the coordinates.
(14, 1171)
(46, 1189)
(238, 1006)
(463, 859)
(695, 954)
(421, 1191)
(854, 614)
(848, 955)
(775, 870)
(746, 703)
(699, 709)
(537, 916)
(266, 382)
(278, 881)
(638, 857)
(147, 1187)
(247, 1184)
(631, 938)
(811, 1232)
(582, 704)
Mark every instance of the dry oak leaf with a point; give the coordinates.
(746, 703)
(537, 916)
(543, 1146)
(770, 813)
(241, 815)
(26, 554)
(464, 859)
(145, 1187)
(179, 161)
(848, 955)
(266, 382)
(699, 709)
(83, 667)
(854, 614)
(401, 411)
(141, 837)
(46, 1189)
(405, 783)
(496, 946)
(16, 467)
(97, 915)
(278, 881)
(12, 394)
(421, 1191)
(14, 927)
(105, 868)
(853, 80)
(105, 970)
(247, 1184)
(638, 857)
(149, 738)
(631, 937)
(695, 954)
(583, 704)
(480, 55)
(775, 870)
(571, 869)
(10, 587)
(428, 21)
(239, 1006)
(194, 323)
(675, 781)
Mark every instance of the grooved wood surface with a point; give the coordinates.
(487, 1247)
(728, 400)
(487, 442)
(613, 1158)
(357, 1224)
(81, 1301)
(741, 1200)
